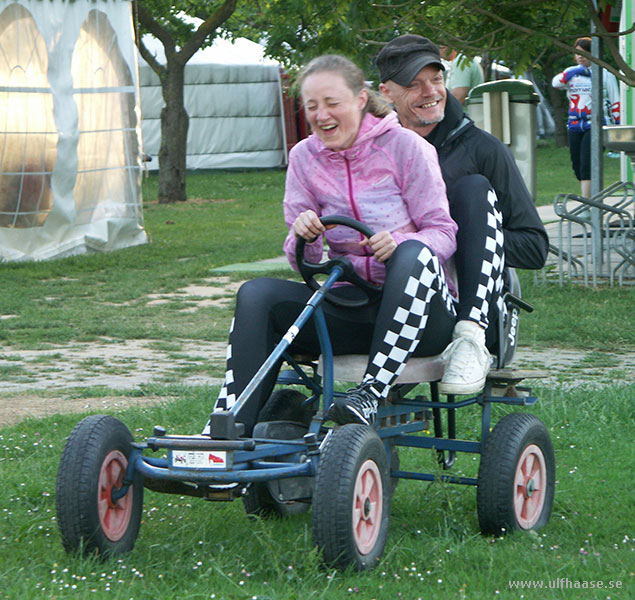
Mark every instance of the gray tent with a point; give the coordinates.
(233, 96)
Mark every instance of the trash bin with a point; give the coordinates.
(507, 109)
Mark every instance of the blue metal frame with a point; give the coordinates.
(256, 460)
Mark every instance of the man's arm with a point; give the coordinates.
(460, 93)
(526, 240)
(464, 75)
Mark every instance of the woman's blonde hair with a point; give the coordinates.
(352, 75)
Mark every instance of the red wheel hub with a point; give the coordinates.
(530, 486)
(367, 507)
(114, 517)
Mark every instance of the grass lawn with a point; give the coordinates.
(555, 175)
(189, 548)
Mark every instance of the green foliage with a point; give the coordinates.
(517, 34)
(168, 14)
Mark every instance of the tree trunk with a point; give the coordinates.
(174, 125)
(486, 65)
(560, 105)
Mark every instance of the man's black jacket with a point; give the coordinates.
(464, 149)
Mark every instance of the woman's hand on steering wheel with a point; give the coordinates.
(308, 270)
(308, 226)
(382, 244)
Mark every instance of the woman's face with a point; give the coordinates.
(332, 109)
(581, 60)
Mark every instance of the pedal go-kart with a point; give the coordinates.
(295, 460)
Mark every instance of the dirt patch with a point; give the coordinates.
(112, 364)
(59, 370)
(14, 410)
(38, 383)
(214, 291)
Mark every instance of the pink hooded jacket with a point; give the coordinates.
(389, 179)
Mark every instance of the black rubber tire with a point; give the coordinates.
(96, 441)
(282, 405)
(342, 460)
(513, 436)
(286, 405)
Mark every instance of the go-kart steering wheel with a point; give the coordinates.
(309, 270)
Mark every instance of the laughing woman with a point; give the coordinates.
(359, 162)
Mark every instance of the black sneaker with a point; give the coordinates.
(358, 406)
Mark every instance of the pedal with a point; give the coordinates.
(513, 376)
(503, 383)
(224, 492)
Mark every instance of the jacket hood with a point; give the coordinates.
(371, 127)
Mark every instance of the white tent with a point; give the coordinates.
(70, 168)
(233, 97)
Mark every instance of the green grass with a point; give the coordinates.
(555, 175)
(235, 217)
(191, 548)
(577, 317)
(85, 298)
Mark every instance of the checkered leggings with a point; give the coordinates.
(404, 317)
(480, 257)
(416, 315)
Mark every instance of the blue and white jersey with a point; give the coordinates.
(577, 81)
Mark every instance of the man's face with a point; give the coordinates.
(421, 104)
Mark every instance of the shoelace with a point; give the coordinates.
(461, 362)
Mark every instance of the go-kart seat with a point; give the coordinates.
(350, 368)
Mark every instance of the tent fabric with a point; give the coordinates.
(70, 163)
(235, 108)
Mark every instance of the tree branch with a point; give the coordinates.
(147, 20)
(627, 75)
(206, 28)
(608, 39)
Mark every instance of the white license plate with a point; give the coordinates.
(199, 459)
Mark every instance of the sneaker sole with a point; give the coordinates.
(461, 388)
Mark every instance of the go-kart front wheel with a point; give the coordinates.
(516, 477)
(351, 501)
(93, 464)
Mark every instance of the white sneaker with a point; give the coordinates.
(467, 360)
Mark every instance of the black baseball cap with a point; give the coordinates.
(402, 58)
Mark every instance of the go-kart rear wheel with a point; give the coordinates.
(259, 501)
(286, 405)
(516, 477)
(351, 501)
(283, 405)
(93, 464)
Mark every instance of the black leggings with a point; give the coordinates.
(580, 151)
(414, 316)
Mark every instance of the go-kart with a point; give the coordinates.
(296, 460)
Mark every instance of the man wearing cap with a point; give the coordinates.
(498, 221)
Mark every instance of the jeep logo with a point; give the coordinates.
(513, 328)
